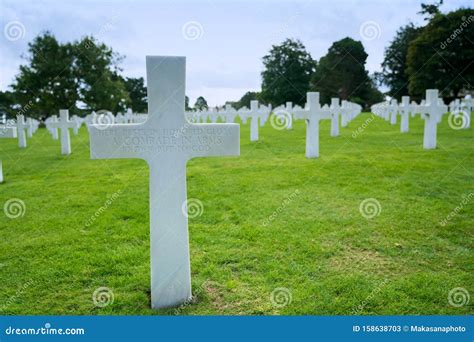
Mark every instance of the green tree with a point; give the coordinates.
(8, 104)
(430, 10)
(137, 92)
(47, 82)
(287, 72)
(96, 68)
(246, 98)
(186, 103)
(341, 73)
(394, 65)
(201, 103)
(441, 56)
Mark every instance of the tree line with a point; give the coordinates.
(85, 74)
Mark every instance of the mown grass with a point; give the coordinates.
(317, 245)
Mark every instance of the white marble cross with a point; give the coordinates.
(166, 141)
(258, 115)
(30, 127)
(312, 114)
(393, 111)
(53, 129)
(335, 110)
(405, 109)
(21, 126)
(344, 113)
(64, 125)
(432, 112)
(288, 110)
(6, 132)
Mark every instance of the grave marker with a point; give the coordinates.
(166, 141)
(6, 132)
(432, 112)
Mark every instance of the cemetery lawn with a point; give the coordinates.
(272, 219)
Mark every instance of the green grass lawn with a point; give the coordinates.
(317, 245)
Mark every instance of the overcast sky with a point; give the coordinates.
(223, 41)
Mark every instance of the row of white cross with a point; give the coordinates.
(431, 110)
(166, 140)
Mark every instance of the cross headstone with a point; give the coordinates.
(166, 141)
(254, 120)
(21, 126)
(432, 112)
(393, 111)
(288, 109)
(311, 114)
(335, 109)
(53, 129)
(344, 113)
(64, 125)
(405, 109)
(6, 132)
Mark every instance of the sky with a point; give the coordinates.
(223, 41)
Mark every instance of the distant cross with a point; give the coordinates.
(432, 112)
(312, 114)
(30, 127)
(6, 132)
(52, 126)
(405, 109)
(335, 110)
(166, 141)
(64, 124)
(393, 111)
(21, 126)
(288, 109)
(253, 120)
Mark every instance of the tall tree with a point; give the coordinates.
(138, 94)
(394, 65)
(47, 82)
(287, 72)
(8, 104)
(201, 103)
(430, 10)
(341, 73)
(246, 98)
(96, 68)
(441, 56)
